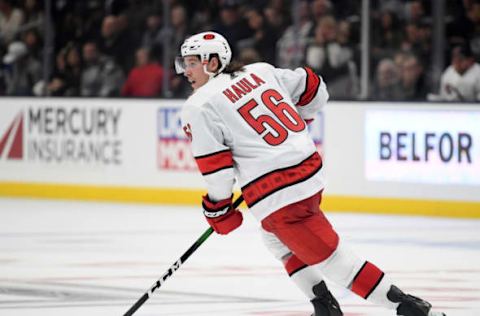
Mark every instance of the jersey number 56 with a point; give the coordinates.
(283, 117)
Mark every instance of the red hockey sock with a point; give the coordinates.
(366, 280)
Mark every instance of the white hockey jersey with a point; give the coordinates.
(456, 87)
(252, 127)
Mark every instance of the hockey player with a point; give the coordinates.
(250, 124)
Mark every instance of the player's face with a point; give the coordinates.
(194, 72)
(460, 64)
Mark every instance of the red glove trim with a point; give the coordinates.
(211, 207)
(220, 215)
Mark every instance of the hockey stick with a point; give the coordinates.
(175, 266)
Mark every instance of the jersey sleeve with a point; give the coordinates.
(214, 159)
(307, 89)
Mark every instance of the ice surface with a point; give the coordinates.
(80, 258)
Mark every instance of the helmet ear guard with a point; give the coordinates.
(205, 45)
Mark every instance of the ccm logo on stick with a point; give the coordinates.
(405, 146)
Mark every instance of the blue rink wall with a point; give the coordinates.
(402, 158)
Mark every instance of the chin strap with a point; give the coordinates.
(210, 74)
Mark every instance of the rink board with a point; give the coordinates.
(192, 197)
(379, 157)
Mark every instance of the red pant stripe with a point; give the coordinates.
(366, 280)
(293, 265)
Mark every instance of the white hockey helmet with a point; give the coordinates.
(204, 45)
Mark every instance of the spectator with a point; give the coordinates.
(291, 45)
(466, 27)
(66, 79)
(152, 37)
(473, 36)
(265, 28)
(412, 80)
(396, 6)
(116, 43)
(100, 77)
(109, 36)
(34, 43)
(386, 84)
(74, 21)
(56, 83)
(130, 36)
(146, 79)
(417, 41)
(277, 15)
(415, 13)
(178, 17)
(202, 17)
(386, 35)
(11, 19)
(34, 16)
(231, 25)
(263, 38)
(321, 8)
(350, 53)
(22, 71)
(332, 59)
(138, 11)
(461, 80)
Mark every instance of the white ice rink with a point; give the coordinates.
(78, 258)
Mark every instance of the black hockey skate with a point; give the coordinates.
(410, 305)
(324, 303)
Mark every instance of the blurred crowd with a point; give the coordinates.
(111, 48)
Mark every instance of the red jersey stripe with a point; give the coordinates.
(214, 162)
(275, 180)
(311, 87)
(366, 280)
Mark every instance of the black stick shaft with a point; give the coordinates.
(175, 266)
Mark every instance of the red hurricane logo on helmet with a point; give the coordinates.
(208, 36)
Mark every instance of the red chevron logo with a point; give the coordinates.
(11, 143)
